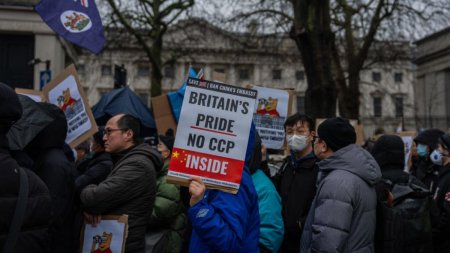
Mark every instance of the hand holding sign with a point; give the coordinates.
(197, 190)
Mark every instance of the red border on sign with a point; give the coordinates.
(206, 165)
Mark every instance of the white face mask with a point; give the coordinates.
(436, 157)
(297, 142)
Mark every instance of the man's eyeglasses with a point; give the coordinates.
(315, 137)
(108, 131)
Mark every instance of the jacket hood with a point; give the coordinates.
(355, 160)
(146, 150)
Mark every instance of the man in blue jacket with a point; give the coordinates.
(225, 222)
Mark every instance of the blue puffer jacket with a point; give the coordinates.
(225, 222)
(272, 227)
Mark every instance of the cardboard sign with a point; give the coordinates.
(212, 134)
(37, 96)
(271, 111)
(66, 92)
(408, 139)
(163, 114)
(108, 236)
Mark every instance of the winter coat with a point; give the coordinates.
(343, 214)
(168, 212)
(441, 217)
(58, 173)
(129, 189)
(93, 170)
(427, 172)
(297, 187)
(272, 228)
(225, 222)
(33, 236)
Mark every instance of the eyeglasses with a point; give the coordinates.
(108, 131)
(315, 137)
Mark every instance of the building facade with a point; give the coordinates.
(387, 95)
(432, 88)
(27, 45)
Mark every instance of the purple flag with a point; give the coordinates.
(77, 21)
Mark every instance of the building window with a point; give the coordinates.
(144, 97)
(398, 77)
(399, 106)
(377, 106)
(300, 75)
(81, 69)
(169, 71)
(376, 76)
(301, 104)
(276, 74)
(219, 70)
(244, 74)
(143, 70)
(106, 70)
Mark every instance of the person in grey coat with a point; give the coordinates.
(342, 217)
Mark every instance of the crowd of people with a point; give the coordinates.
(328, 195)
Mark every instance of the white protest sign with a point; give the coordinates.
(271, 110)
(212, 134)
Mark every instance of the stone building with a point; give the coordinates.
(432, 90)
(387, 89)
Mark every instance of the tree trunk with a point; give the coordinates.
(349, 97)
(313, 37)
(156, 75)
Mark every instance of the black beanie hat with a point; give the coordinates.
(337, 133)
(429, 137)
(10, 107)
(389, 150)
(444, 140)
(168, 139)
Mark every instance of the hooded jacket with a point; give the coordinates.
(225, 222)
(129, 189)
(343, 214)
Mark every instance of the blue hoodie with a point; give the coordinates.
(225, 222)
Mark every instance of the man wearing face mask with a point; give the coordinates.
(296, 179)
(441, 217)
(343, 214)
(424, 168)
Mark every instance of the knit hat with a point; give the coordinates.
(389, 150)
(10, 107)
(444, 140)
(168, 139)
(429, 137)
(337, 133)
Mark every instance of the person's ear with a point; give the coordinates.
(311, 135)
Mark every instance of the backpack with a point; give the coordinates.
(404, 226)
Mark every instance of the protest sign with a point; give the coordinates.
(66, 92)
(37, 96)
(212, 134)
(408, 139)
(271, 111)
(107, 236)
(163, 114)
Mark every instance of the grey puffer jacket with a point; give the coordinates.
(129, 189)
(342, 217)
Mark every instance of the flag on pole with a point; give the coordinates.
(77, 21)
(176, 97)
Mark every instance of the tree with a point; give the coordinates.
(148, 21)
(339, 38)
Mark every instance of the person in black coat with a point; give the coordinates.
(58, 173)
(96, 167)
(423, 168)
(441, 215)
(33, 233)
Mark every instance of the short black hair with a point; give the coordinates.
(293, 119)
(128, 122)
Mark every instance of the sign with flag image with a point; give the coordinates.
(77, 21)
(212, 134)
